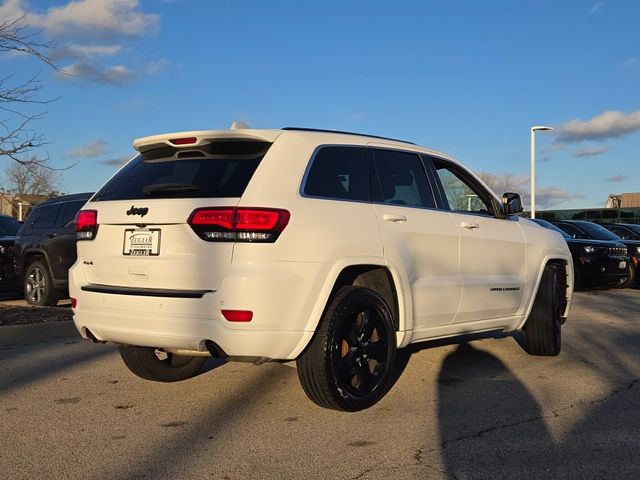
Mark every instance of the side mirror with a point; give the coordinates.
(512, 204)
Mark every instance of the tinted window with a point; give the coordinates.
(44, 217)
(402, 179)
(598, 232)
(68, 213)
(8, 227)
(339, 172)
(572, 230)
(181, 178)
(463, 195)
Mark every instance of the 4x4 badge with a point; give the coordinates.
(138, 211)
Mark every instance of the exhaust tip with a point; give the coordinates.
(89, 334)
(215, 350)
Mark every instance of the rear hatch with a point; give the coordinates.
(135, 232)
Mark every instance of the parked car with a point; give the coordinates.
(9, 226)
(327, 248)
(626, 231)
(45, 248)
(581, 229)
(595, 262)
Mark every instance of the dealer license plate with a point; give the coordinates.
(142, 242)
(622, 264)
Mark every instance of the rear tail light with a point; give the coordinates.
(262, 225)
(86, 224)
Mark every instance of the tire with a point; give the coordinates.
(631, 277)
(349, 363)
(147, 363)
(38, 286)
(543, 327)
(577, 277)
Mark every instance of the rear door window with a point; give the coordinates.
(68, 213)
(339, 172)
(402, 179)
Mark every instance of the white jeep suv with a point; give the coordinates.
(328, 248)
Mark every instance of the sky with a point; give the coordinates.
(465, 77)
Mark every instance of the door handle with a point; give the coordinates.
(470, 225)
(394, 218)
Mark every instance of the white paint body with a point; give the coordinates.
(442, 269)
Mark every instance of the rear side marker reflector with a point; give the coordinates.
(238, 315)
(242, 224)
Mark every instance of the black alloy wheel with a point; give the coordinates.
(349, 363)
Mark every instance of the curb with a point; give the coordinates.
(12, 335)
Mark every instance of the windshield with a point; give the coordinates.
(635, 228)
(598, 232)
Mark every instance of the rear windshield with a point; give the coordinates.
(215, 177)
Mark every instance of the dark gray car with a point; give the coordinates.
(45, 249)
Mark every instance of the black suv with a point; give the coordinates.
(595, 262)
(45, 248)
(593, 231)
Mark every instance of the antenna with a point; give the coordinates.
(236, 125)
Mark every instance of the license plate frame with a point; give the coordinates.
(141, 242)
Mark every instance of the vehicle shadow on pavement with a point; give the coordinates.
(492, 427)
(50, 364)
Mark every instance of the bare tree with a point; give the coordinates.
(32, 177)
(505, 182)
(16, 138)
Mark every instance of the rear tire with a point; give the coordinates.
(543, 327)
(152, 364)
(38, 286)
(349, 363)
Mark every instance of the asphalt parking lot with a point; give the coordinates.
(484, 409)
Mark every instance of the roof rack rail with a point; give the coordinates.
(301, 129)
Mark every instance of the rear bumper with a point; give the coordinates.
(171, 332)
(278, 297)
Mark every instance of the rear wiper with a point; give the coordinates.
(170, 187)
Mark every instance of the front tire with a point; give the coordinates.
(631, 277)
(542, 329)
(349, 363)
(38, 285)
(152, 364)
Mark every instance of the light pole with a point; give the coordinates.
(533, 165)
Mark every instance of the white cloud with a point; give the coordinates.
(609, 124)
(116, 162)
(597, 7)
(86, 32)
(617, 178)
(86, 18)
(590, 152)
(117, 75)
(92, 149)
(84, 52)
